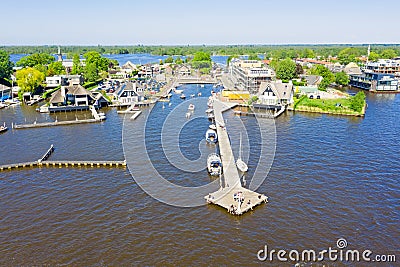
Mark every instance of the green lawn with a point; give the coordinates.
(335, 106)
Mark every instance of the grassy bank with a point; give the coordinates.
(353, 105)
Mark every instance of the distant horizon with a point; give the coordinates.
(232, 44)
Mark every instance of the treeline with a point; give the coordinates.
(270, 51)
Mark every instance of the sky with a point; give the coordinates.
(195, 22)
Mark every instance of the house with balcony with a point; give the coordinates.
(128, 94)
(274, 95)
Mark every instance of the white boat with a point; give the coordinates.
(191, 107)
(212, 127)
(210, 110)
(202, 85)
(3, 128)
(178, 91)
(192, 95)
(102, 116)
(214, 164)
(240, 164)
(211, 136)
(183, 96)
(199, 94)
(188, 114)
(210, 116)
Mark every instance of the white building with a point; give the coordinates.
(275, 94)
(249, 74)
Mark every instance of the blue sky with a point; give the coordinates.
(124, 22)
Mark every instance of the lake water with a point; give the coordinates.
(134, 58)
(332, 177)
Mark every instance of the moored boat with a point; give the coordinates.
(3, 128)
(191, 107)
(212, 127)
(214, 164)
(240, 164)
(211, 136)
(182, 96)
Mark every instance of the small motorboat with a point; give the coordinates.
(210, 116)
(191, 107)
(182, 96)
(202, 85)
(214, 164)
(3, 128)
(188, 115)
(199, 94)
(178, 91)
(211, 136)
(212, 127)
(102, 116)
(210, 110)
(192, 95)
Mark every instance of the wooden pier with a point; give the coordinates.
(53, 123)
(64, 163)
(231, 196)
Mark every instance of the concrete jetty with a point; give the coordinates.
(232, 195)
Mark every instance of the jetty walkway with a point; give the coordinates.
(44, 162)
(232, 195)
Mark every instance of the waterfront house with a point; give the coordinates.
(375, 82)
(311, 80)
(274, 95)
(129, 93)
(184, 70)
(352, 68)
(64, 80)
(73, 95)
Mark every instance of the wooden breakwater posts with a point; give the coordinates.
(47, 154)
(231, 196)
(64, 163)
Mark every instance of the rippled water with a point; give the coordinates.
(332, 177)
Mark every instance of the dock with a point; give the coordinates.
(63, 163)
(232, 195)
(44, 162)
(53, 123)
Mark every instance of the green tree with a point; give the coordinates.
(5, 65)
(178, 60)
(373, 56)
(35, 59)
(201, 56)
(286, 69)
(93, 57)
(55, 68)
(342, 78)
(91, 73)
(253, 57)
(388, 54)
(357, 102)
(29, 79)
(348, 55)
(169, 60)
(77, 66)
(326, 74)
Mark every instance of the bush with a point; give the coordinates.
(357, 102)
